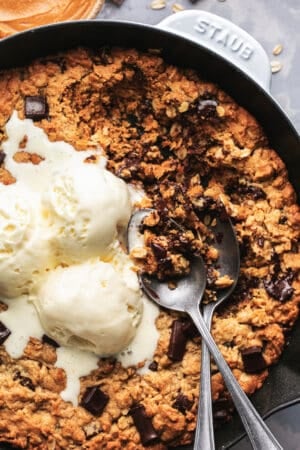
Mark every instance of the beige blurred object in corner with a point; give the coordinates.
(19, 15)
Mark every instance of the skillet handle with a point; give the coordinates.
(225, 38)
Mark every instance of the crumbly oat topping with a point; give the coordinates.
(191, 148)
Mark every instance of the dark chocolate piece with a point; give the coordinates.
(48, 340)
(190, 329)
(207, 108)
(153, 366)
(35, 107)
(253, 359)
(280, 288)
(94, 400)
(144, 425)
(245, 190)
(4, 333)
(24, 381)
(2, 156)
(159, 251)
(260, 241)
(182, 403)
(178, 340)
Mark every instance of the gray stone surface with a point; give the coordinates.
(271, 22)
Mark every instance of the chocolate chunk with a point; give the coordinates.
(256, 192)
(2, 156)
(94, 400)
(178, 340)
(182, 403)
(35, 107)
(245, 190)
(4, 333)
(261, 241)
(244, 287)
(24, 381)
(282, 220)
(132, 119)
(48, 340)
(207, 108)
(159, 252)
(153, 366)
(253, 359)
(279, 289)
(144, 425)
(190, 329)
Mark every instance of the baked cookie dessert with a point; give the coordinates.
(118, 129)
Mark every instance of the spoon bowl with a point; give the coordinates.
(259, 434)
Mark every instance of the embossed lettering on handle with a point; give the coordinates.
(224, 38)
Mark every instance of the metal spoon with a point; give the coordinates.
(228, 264)
(187, 298)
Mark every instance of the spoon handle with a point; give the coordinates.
(204, 437)
(259, 434)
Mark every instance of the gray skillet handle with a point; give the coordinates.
(224, 38)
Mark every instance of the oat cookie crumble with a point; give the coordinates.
(191, 148)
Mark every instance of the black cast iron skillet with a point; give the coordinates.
(283, 384)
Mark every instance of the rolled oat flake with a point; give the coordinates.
(276, 66)
(158, 4)
(277, 49)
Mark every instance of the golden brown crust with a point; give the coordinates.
(185, 141)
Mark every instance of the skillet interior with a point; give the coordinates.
(283, 384)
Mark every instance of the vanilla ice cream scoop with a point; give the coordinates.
(85, 207)
(90, 306)
(23, 245)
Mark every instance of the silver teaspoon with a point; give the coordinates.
(228, 264)
(187, 298)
